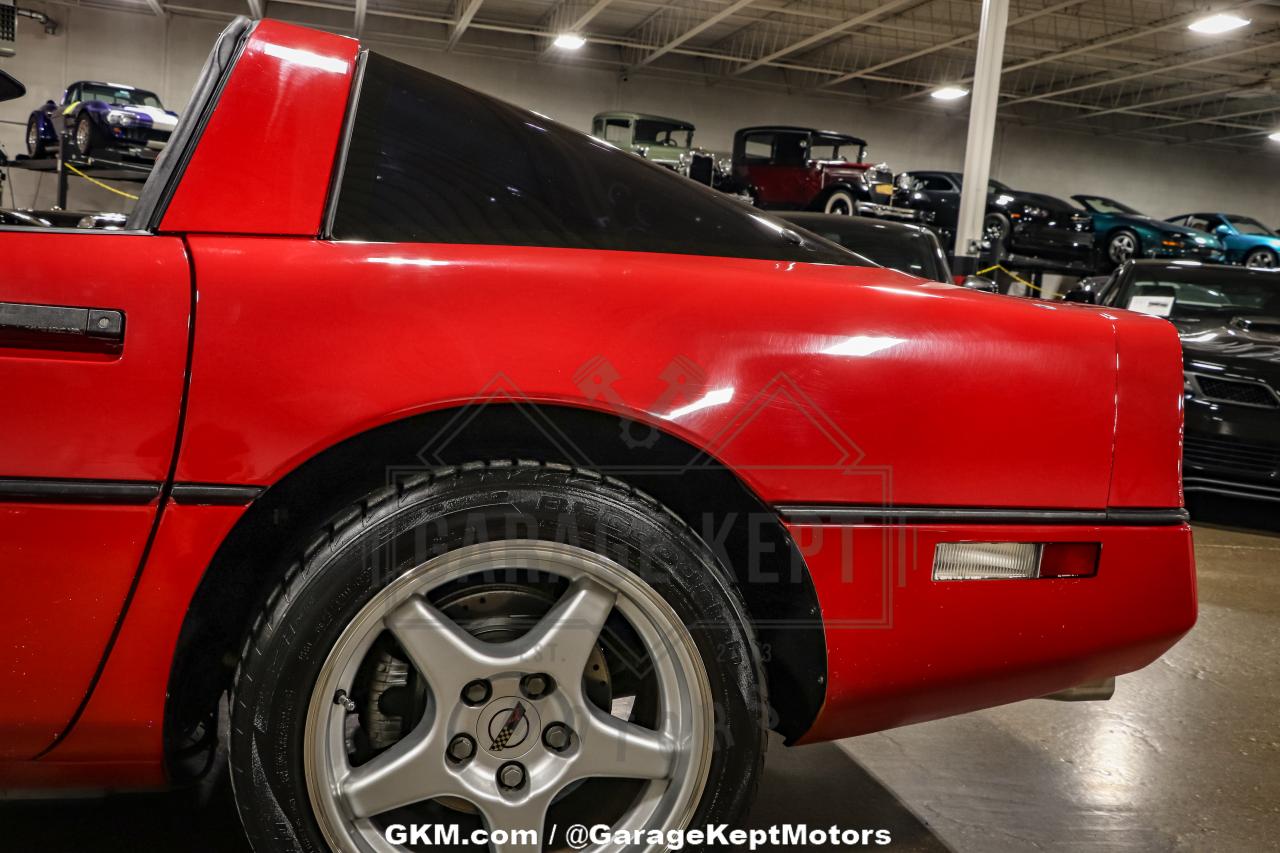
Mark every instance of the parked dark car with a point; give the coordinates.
(102, 116)
(911, 249)
(1248, 242)
(1019, 222)
(800, 168)
(1122, 233)
(1229, 320)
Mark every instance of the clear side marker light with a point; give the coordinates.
(971, 561)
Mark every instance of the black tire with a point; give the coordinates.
(1261, 258)
(841, 203)
(322, 592)
(996, 228)
(86, 138)
(1122, 245)
(35, 144)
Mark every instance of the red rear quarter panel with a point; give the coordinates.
(1148, 452)
(893, 390)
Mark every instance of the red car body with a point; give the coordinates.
(876, 414)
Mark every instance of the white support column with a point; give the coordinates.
(984, 99)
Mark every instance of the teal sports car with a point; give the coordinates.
(1121, 233)
(1249, 242)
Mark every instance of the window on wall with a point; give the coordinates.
(430, 161)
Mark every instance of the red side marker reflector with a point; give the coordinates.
(1069, 559)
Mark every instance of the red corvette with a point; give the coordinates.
(503, 480)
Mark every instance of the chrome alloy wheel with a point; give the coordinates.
(510, 728)
(83, 134)
(1121, 248)
(993, 229)
(1260, 259)
(33, 137)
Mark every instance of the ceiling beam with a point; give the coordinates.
(1203, 93)
(1102, 42)
(587, 15)
(955, 42)
(822, 35)
(255, 9)
(464, 21)
(731, 9)
(1216, 119)
(362, 9)
(1260, 132)
(1137, 75)
(1155, 115)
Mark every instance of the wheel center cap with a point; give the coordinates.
(508, 727)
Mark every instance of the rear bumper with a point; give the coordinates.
(903, 648)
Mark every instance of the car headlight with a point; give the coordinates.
(1037, 212)
(119, 117)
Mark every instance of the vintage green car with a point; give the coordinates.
(667, 142)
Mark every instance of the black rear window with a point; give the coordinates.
(430, 161)
(911, 255)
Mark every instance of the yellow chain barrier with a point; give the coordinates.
(1011, 274)
(97, 182)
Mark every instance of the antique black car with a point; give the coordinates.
(799, 168)
(1229, 320)
(1016, 222)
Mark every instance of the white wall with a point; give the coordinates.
(166, 55)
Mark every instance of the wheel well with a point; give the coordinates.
(1116, 230)
(742, 531)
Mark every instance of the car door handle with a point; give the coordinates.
(103, 324)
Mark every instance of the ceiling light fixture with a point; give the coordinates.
(1274, 137)
(569, 41)
(948, 93)
(1220, 23)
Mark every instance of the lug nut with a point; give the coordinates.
(461, 748)
(511, 775)
(536, 686)
(557, 737)
(477, 692)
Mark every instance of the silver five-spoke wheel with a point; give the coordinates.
(482, 712)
